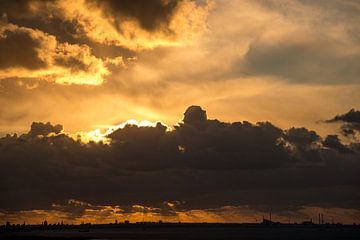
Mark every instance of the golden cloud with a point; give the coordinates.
(62, 63)
(76, 212)
(187, 22)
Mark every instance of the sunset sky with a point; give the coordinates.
(195, 111)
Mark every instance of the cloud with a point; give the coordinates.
(202, 163)
(41, 129)
(74, 211)
(333, 141)
(21, 50)
(151, 67)
(36, 55)
(302, 61)
(212, 65)
(350, 122)
(139, 26)
(151, 15)
(132, 24)
(295, 41)
(83, 42)
(194, 115)
(352, 116)
(301, 137)
(16, 8)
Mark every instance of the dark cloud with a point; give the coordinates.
(47, 35)
(333, 141)
(194, 115)
(65, 30)
(52, 17)
(301, 137)
(201, 163)
(16, 8)
(353, 116)
(350, 122)
(44, 129)
(303, 61)
(73, 63)
(305, 145)
(309, 50)
(39, 14)
(151, 15)
(74, 208)
(21, 50)
(41, 57)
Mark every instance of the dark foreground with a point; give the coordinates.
(190, 231)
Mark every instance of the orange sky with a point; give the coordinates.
(210, 54)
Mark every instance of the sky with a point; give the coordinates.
(218, 111)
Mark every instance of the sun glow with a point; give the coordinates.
(100, 135)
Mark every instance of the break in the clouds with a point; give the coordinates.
(200, 164)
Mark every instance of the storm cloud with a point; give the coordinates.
(201, 163)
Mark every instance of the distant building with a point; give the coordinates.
(268, 222)
(308, 222)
